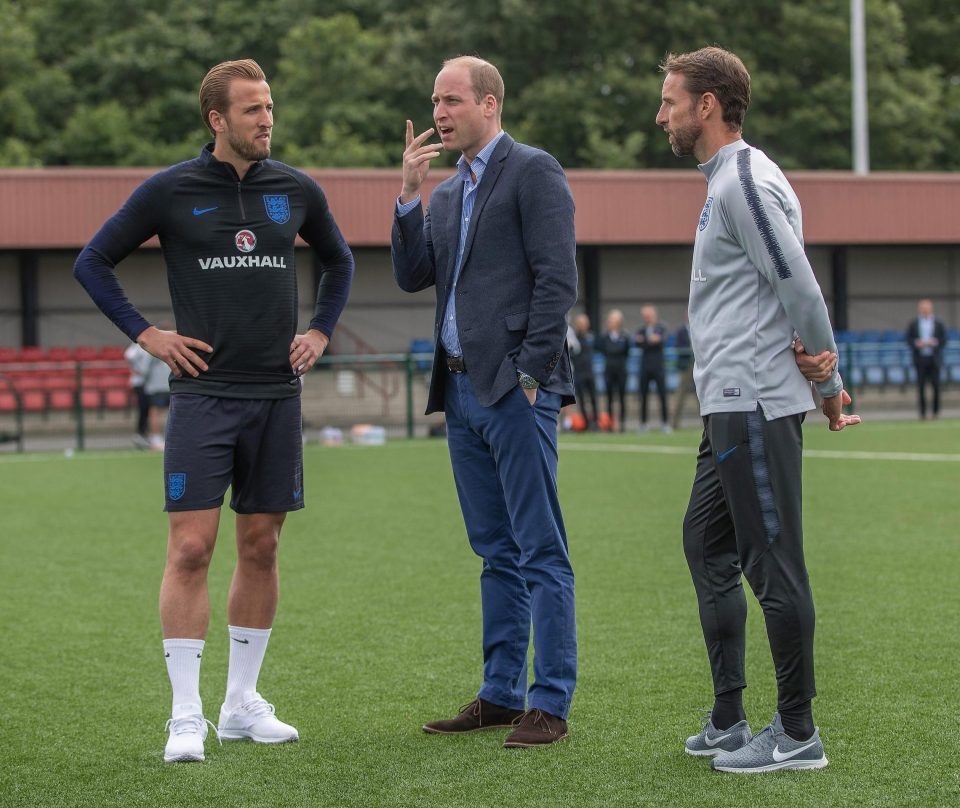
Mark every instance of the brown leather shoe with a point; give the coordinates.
(476, 715)
(536, 728)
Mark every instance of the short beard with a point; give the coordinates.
(685, 139)
(245, 150)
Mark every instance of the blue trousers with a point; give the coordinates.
(504, 461)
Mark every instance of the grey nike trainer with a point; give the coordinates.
(771, 750)
(712, 741)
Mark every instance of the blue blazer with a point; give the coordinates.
(518, 278)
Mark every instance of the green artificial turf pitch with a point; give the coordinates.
(379, 630)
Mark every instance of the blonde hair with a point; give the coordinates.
(215, 87)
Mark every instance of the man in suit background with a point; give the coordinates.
(580, 342)
(615, 344)
(498, 244)
(926, 336)
(651, 337)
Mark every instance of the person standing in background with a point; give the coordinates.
(685, 384)
(581, 344)
(615, 347)
(138, 360)
(927, 336)
(156, 389)
(651, 337)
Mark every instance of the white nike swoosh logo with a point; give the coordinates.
(714, 741)
(779, 756)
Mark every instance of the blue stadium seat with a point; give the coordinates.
(422, 346)
(951, 362)
(868, 365)
(896, 360)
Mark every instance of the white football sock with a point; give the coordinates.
(183, 666)
(247, 647)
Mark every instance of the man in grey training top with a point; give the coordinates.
(752, 292)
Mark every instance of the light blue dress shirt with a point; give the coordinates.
(466, 171)
(925, 330)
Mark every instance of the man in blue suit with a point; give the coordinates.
(498, 244)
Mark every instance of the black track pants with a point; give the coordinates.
(745, 516)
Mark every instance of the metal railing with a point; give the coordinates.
(390, 387)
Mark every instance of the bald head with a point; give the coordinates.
(925, 307)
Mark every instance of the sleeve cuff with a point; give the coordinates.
(403, 210)
(832, 387)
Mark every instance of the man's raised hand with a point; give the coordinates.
(416, 163)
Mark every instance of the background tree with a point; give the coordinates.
(114, 82)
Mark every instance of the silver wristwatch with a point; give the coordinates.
(527, 382)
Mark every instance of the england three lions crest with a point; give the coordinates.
(176, 485)
(705, 214)
(278, 207)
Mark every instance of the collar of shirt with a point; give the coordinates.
(479, 163)
(710, 167)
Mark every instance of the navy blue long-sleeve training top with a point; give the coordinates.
(229, 249)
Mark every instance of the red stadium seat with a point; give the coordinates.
(9, 355)
(59, 354)
(91, 399)
(115, 398)
(61, 399)
(85, 353)
(33, 400)
(60, 381)
(28, 382)
(8, 401)
(32, 354)
(111, 353)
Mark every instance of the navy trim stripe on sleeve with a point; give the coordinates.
(745, 172)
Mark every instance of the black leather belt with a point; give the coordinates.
(455, 364)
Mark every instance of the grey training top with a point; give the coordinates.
(751, 288)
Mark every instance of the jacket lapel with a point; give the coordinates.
(490, 175)
(452, 227)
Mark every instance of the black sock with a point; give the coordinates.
(798, 721)
(728, 709)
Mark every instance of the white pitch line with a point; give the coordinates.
(46, 456)
(923, 457)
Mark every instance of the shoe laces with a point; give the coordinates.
(258, 707)
(538, 718)
(475, 705)
(191, 725)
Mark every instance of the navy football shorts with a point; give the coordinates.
(255, 445)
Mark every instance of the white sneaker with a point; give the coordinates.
(188, 731)
(254, 718)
